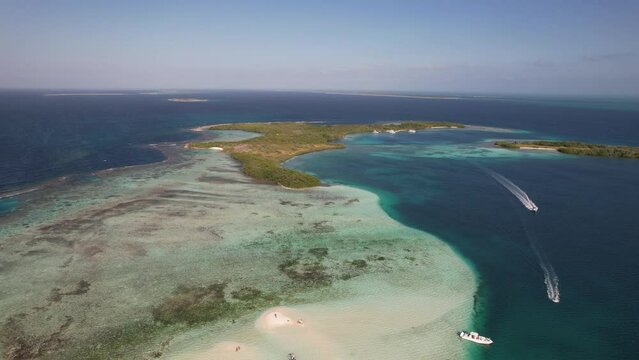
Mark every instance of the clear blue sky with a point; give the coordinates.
(561, 46)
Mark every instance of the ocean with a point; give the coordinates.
(582, 243)
(583, 234)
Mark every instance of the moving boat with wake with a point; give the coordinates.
(475, 337)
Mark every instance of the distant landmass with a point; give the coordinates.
(262, 156)
(187, 100)
(574, 148)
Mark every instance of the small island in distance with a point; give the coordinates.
(261, 157)
(187, 100)
(574, 148)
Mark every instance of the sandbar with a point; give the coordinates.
(160, 259)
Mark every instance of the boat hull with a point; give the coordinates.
(477, 339)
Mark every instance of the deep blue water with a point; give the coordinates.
(586, 229)
(437, 181)
(43, 137)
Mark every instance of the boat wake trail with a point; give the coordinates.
(552, 282)
(550, 277)
(515, 190)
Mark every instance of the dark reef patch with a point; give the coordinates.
(54, 240)
(96, 217)
(193, 305)
(359, 263)
(18, 344)
(135, 250)
(322, 226)
(34, 252)
(319, 253)
(82, 287)
(90, 250)
(200, 304)
(294, 204)
(246, 293)
(309, 273)
(254, 297)
(318, 227)
(115, 343)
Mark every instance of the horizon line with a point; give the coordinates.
(423, 94)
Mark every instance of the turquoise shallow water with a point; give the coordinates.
(436, 181)
(182, 257)
(7, 205)
(584, 231)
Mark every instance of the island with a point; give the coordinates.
(187, 100)
(574, 148)
(188, 258)
(261, 157)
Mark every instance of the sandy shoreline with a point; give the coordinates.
(537, 148)
(119, 247)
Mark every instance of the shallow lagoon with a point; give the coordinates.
(588, 206)
(178, 259)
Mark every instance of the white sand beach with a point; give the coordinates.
(124, 250)
(229, 350)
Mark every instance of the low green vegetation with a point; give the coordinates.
(261, 157)
(200, 304)
(576, 148)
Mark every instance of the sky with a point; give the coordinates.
(475, 46)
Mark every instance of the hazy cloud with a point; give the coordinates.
(611, 56)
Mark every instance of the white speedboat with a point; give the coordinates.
(532, 207)
(475, 337)
(412, 131)
(375, 132)
(391, 131)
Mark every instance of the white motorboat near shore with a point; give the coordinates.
(475, 337)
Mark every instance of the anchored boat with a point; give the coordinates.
(475, 337)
